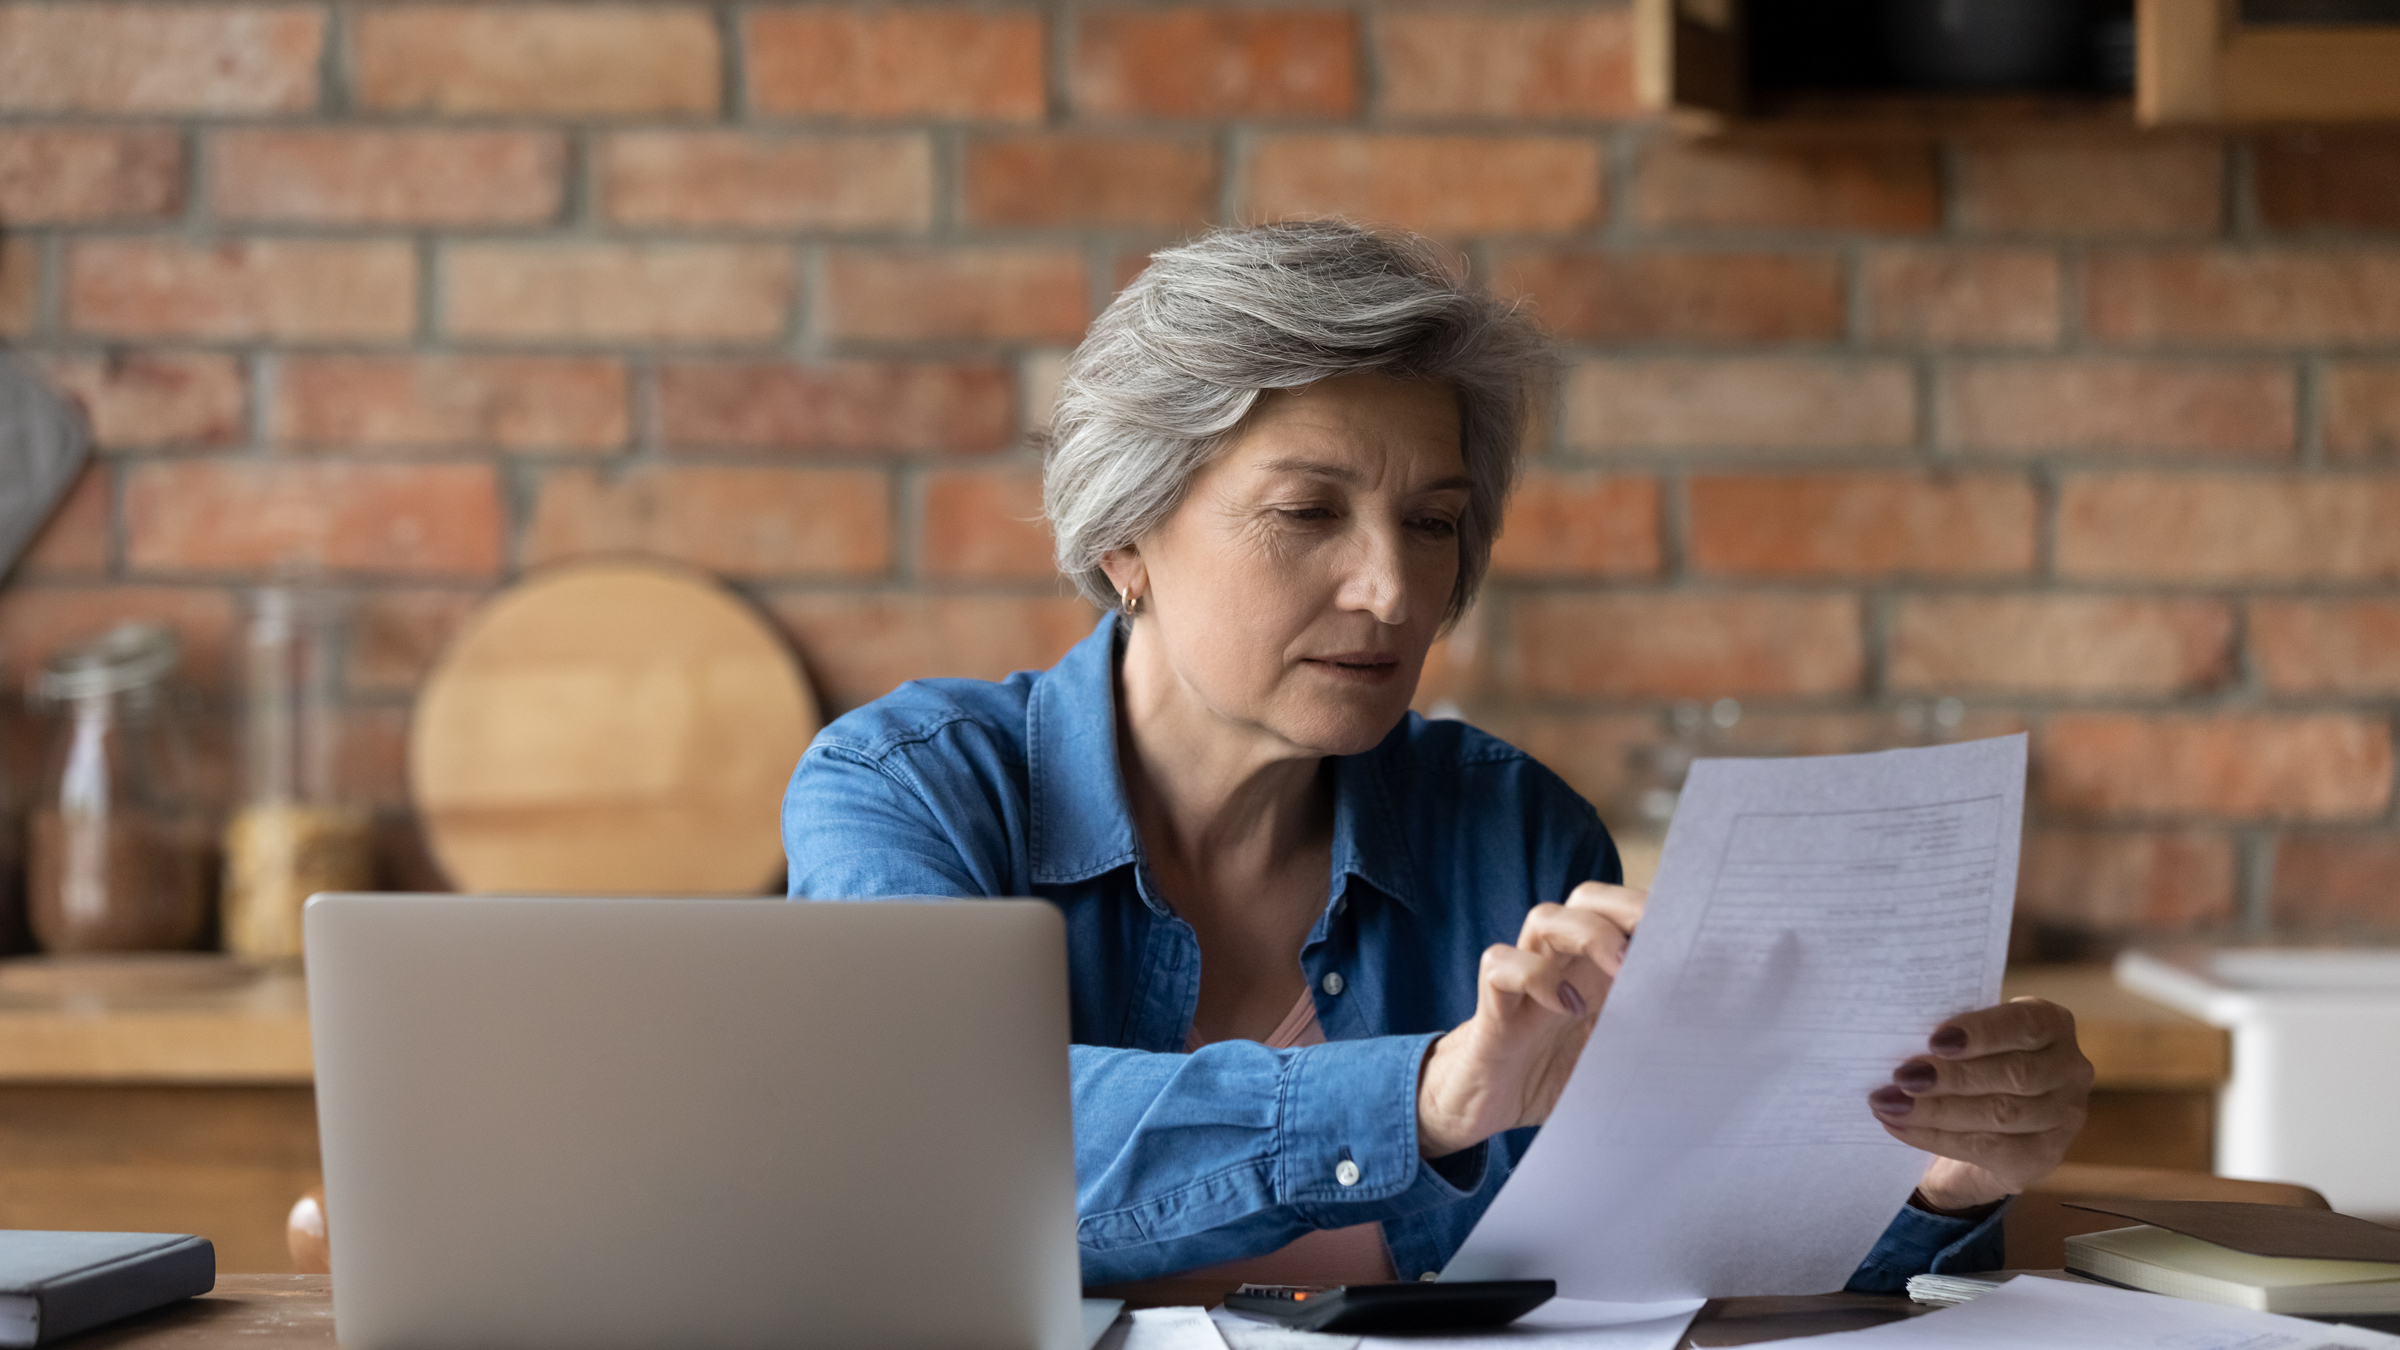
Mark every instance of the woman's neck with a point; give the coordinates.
(1215, 800)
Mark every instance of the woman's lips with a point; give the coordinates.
(1361, 667)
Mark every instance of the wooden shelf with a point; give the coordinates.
(1870, 110)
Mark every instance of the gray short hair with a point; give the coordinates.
(1173, 365)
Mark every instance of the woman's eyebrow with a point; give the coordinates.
(1342, 473)
(1314, 468)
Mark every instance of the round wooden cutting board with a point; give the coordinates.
(610, 728)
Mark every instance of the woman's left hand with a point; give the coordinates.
(1997, 1101)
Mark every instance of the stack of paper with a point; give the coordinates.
(1948, 1291)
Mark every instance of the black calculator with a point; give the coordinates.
(1468, 1305)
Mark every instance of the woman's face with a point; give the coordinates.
(1296, 589)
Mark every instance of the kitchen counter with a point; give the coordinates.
(168, 1018)
(173, 1093)
(2155, 1072)
(157, 1093)
(204, 1019)
(2132, 1042)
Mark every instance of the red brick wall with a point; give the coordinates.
(2096, 431)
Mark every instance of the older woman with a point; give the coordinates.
(1331, 962)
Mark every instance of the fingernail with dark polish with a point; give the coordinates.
(1948, 1041)
(1574, 1001)
(1890, 1101)
(1916, 1075)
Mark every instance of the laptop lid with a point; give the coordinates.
(700, 1123)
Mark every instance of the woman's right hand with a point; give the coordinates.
(1534, 1008)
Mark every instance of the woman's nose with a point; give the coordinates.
(1378, 580)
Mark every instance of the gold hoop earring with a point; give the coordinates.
(1128, 604)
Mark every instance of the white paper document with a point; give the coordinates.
(1172, 1329)
(1560, 1324)
(1813, 920)
(2057, 1315)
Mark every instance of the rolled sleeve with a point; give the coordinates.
(1919, 1243)
(1353, 1102)
(1237, 1148)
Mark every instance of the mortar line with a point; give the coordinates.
(733, 90)
(2238, 206)
(262, 379)
(946, 153)
(49, 284)
(578, 190)
(906, 508)
(2309, 411)
(1059, 25)
(334, 96)
(2254, 883)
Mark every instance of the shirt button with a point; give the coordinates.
(1332, 983)
(1429, 1277)
(1346, 1172)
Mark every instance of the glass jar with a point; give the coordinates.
(118, 850)
(295, 833)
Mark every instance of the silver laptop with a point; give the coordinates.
(555, 1123)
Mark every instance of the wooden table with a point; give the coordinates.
(295, 1312)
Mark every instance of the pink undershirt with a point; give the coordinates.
(1353, 1255)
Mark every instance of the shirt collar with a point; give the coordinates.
(1367, 840)
(1082, 825)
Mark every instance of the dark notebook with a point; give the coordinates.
(56, 1284)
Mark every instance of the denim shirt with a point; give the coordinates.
(1443, 838)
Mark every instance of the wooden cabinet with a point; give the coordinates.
(223, 1160)
(1687, 56)
(2198, 62)
(173, 1099)
(2214, 61)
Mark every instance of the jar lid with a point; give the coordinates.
(127, 656)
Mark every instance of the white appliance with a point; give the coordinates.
(2314, 1096)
